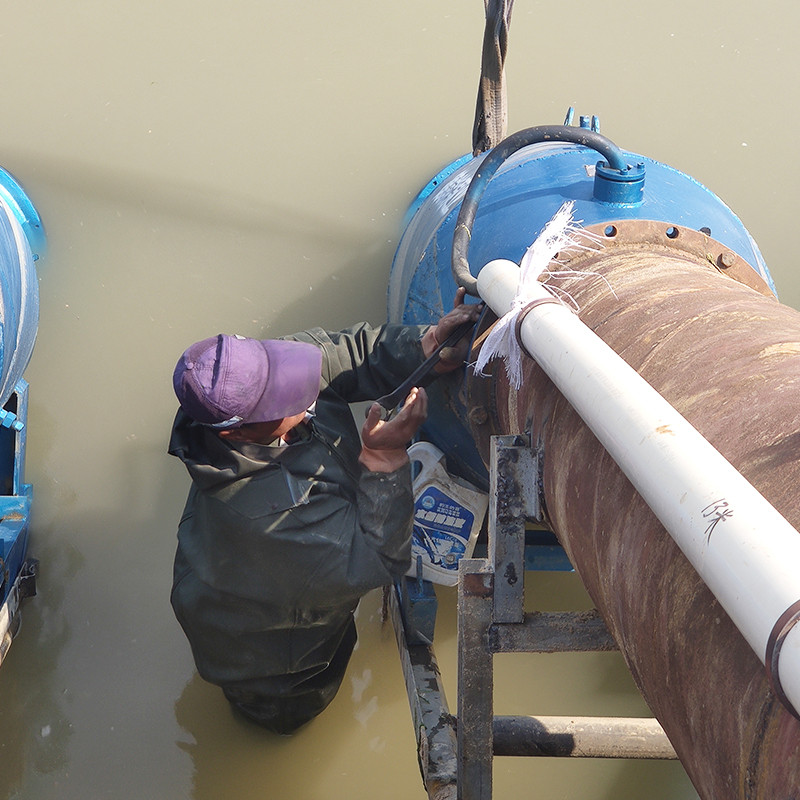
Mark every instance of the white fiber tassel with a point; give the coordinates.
(559, 233)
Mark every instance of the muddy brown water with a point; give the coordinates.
(245, 168)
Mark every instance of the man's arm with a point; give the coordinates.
(385, 499)
(362, 363)
(386, 502)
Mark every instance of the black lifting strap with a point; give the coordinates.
(490, 111)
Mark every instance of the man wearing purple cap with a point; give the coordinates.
(292, 517)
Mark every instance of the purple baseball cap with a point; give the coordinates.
(228, 381)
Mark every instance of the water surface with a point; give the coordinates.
(245, 168)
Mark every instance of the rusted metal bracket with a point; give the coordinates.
(513, 470)
(456, 755)
(492, 620)
(581, 737)
(475, 679)
(434, 726)
(10, 617)
(562, 632)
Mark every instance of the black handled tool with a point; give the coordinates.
(423, 374)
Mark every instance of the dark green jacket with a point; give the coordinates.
(277, 544)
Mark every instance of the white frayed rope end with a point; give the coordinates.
(559, 233)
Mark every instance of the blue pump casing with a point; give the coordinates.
(524, 194)
(22, 242)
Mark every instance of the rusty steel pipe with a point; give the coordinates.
(728, 359)
(751, 565)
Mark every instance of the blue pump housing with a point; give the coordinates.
(22, 242)
(521, 197)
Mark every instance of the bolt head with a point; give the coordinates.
(478, 415)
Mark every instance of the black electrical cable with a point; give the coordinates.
(490, 165)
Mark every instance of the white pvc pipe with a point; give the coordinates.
(744, 550)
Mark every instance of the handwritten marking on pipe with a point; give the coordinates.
(716, 512)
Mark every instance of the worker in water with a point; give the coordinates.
(291, 518)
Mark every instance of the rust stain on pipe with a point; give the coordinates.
(727, 356)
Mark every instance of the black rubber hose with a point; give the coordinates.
(490, 165)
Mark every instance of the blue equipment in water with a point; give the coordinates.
(497, 203)
(22, 242)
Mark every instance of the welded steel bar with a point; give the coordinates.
(553, 632)
(745, 551)
(475, 680)
(513, 470)
(434, 726)
(581, 737)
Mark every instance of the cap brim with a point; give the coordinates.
(293, 383)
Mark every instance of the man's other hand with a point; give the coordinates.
(384, 442)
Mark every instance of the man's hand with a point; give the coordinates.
(451, 357)
(384, 442)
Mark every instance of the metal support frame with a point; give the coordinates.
(456, 757)
(10, 618)
(434, 726)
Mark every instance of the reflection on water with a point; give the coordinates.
(34, 715)
(355, 749)
(245, 168)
